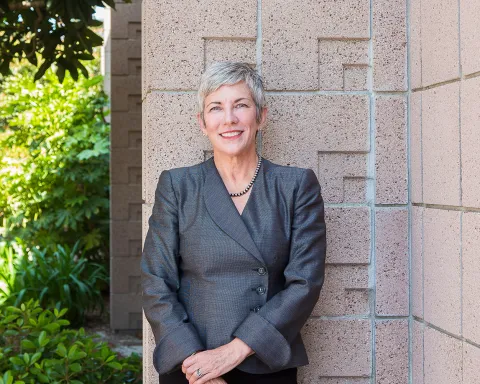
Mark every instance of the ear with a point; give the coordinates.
(201, 123)
(263, 118)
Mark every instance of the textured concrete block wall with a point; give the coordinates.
(445, 190)
(336, 76)
(124, 43)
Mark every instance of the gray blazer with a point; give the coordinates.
(210, 274)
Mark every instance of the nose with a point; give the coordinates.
(230, 117)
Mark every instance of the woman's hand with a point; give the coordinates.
(214, 363)
(218, 380)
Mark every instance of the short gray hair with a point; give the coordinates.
(229, 73)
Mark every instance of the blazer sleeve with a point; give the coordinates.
(270, 331)
(176, 338)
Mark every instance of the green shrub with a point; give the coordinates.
(35, 347)
(63, 279)
(54, 160)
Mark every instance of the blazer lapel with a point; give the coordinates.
(223, 211)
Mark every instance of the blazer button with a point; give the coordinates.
(261, 290)
(261, 271)
(256, 309)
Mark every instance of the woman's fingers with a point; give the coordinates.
(201, 380)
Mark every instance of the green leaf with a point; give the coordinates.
(36, 356)
(28, 344)
(75, 367)
(43, 378)
(61, 350)
(115, 365)
(43, 68)
(17, 361)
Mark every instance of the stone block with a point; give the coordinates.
(470, 36)
(150, 375)
(125, 276)
(128, 166)
(471, 275)
(391, 150)
(146, 213)
(126, 202)
(242, 50)
(443, 358)
(417, 261)
(391, 249)
(417, 352)
(128, 310)
(290, 52)
(126, 19)
(348, 235)
(389, 45)
(415, 45)
(440, 138)
(172, 136)
(471, 363)
(124, 53)
(337, 348)
(315, 123)
(441, 269)
(126, 130)
(175, 60)
(343, 176)
(439, 41)
(391, 351)
(470, 137)
(126, 94)
(343, 65)
(125, 239)
(344, 292)
(416, 176)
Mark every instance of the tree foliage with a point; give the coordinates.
(54, 161)
(60, 31)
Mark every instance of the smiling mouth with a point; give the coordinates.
(231, 134)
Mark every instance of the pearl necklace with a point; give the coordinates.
(235, 194)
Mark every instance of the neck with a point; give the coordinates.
(236, 171)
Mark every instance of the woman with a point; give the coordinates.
(234, 257)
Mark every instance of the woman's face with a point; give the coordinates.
(230, 119)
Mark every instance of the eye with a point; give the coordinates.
(217, 108)
(242, 105)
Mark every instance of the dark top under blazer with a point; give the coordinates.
(210, 274)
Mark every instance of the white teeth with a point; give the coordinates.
(230, 134)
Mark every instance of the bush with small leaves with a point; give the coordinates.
(35, 347)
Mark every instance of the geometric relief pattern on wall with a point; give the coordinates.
(339, 351)
(343, 176)
(126, 166)
(343, 64)
(179, 43)
(345, 291)
(294, 35)
(301, 126)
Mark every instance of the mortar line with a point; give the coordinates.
(460, 70)
(371, 192)
(436, 85)
(447, 207)
(409, 200)
(426, 324)
(421, 194)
